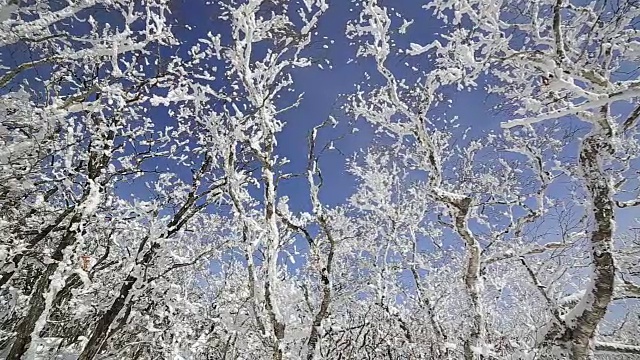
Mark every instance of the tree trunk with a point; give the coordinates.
(37, 303)
(579, 329)
(471, 278)
(99, 334)
(600, 293)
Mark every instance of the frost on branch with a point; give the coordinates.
(164, 194)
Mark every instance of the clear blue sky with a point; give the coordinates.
(322, 88)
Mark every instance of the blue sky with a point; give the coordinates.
(323, 87)
(320, 86)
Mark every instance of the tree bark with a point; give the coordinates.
(99, 334)
(323, 312)
(579, 328)
(37, 302)
(471, 277)
(595, 148)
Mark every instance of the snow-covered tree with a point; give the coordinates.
(143, 212)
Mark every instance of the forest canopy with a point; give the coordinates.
(319, 179)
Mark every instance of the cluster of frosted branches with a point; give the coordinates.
(142, 206)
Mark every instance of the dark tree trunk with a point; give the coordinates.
(37, 302)
(101, 330)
